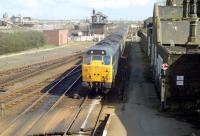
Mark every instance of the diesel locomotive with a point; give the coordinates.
(100, 63)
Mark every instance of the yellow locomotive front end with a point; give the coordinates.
(97, 71)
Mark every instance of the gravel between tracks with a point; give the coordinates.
(41, 76)
(46, 102)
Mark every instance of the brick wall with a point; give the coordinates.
(56, 37)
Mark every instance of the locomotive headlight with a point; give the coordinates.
(88, 76)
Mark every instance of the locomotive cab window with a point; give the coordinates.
(87, 59)
(107, 60)
(97, 57)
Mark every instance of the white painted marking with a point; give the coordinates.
(92, 106)
(105, 133)
(94, 103)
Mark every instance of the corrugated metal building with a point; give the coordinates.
(56, 37)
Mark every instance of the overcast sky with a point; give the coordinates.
(78, 9)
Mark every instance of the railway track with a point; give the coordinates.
(45, 103)
(11, 97)
(9, 102)
(54, 101)
(10, 77)
(85, 124)
(79, 105)
(77, 124)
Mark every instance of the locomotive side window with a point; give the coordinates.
(87, 60)
(106, 60)
(96, 57)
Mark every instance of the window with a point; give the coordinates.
(96, 57)
(87, 59)
(106, 60)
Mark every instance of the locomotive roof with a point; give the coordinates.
(110, 44)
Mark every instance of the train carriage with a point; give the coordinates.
(100, 63)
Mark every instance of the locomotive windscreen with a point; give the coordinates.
(96, 52)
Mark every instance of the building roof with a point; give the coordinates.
(149, 20)
(53, 30)
(101, 14)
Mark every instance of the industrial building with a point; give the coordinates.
(17, 21)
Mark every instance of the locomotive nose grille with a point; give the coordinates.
(97, 73)
(100, 73)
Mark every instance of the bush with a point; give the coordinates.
(20, 41)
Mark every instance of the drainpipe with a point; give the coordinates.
(157, 23)
(193, 8)
(193, 31)
(193, 22)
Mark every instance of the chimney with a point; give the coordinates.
(198, 8)
(186, 8)
(193, 31)
(193, 22)
(193, 9)
(93, 12)
(169, 2)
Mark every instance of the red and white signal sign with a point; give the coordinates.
(165, 66)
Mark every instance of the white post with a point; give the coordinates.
(163, 90)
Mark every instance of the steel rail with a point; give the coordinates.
(97, 121)
(56, 103)
(11, 102)
(37, 65)
(70, 124)
(34, 84)
(75, 117)
(36, 72)
(37, 101)
(66, 132)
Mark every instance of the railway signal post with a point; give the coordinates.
(163, 86)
